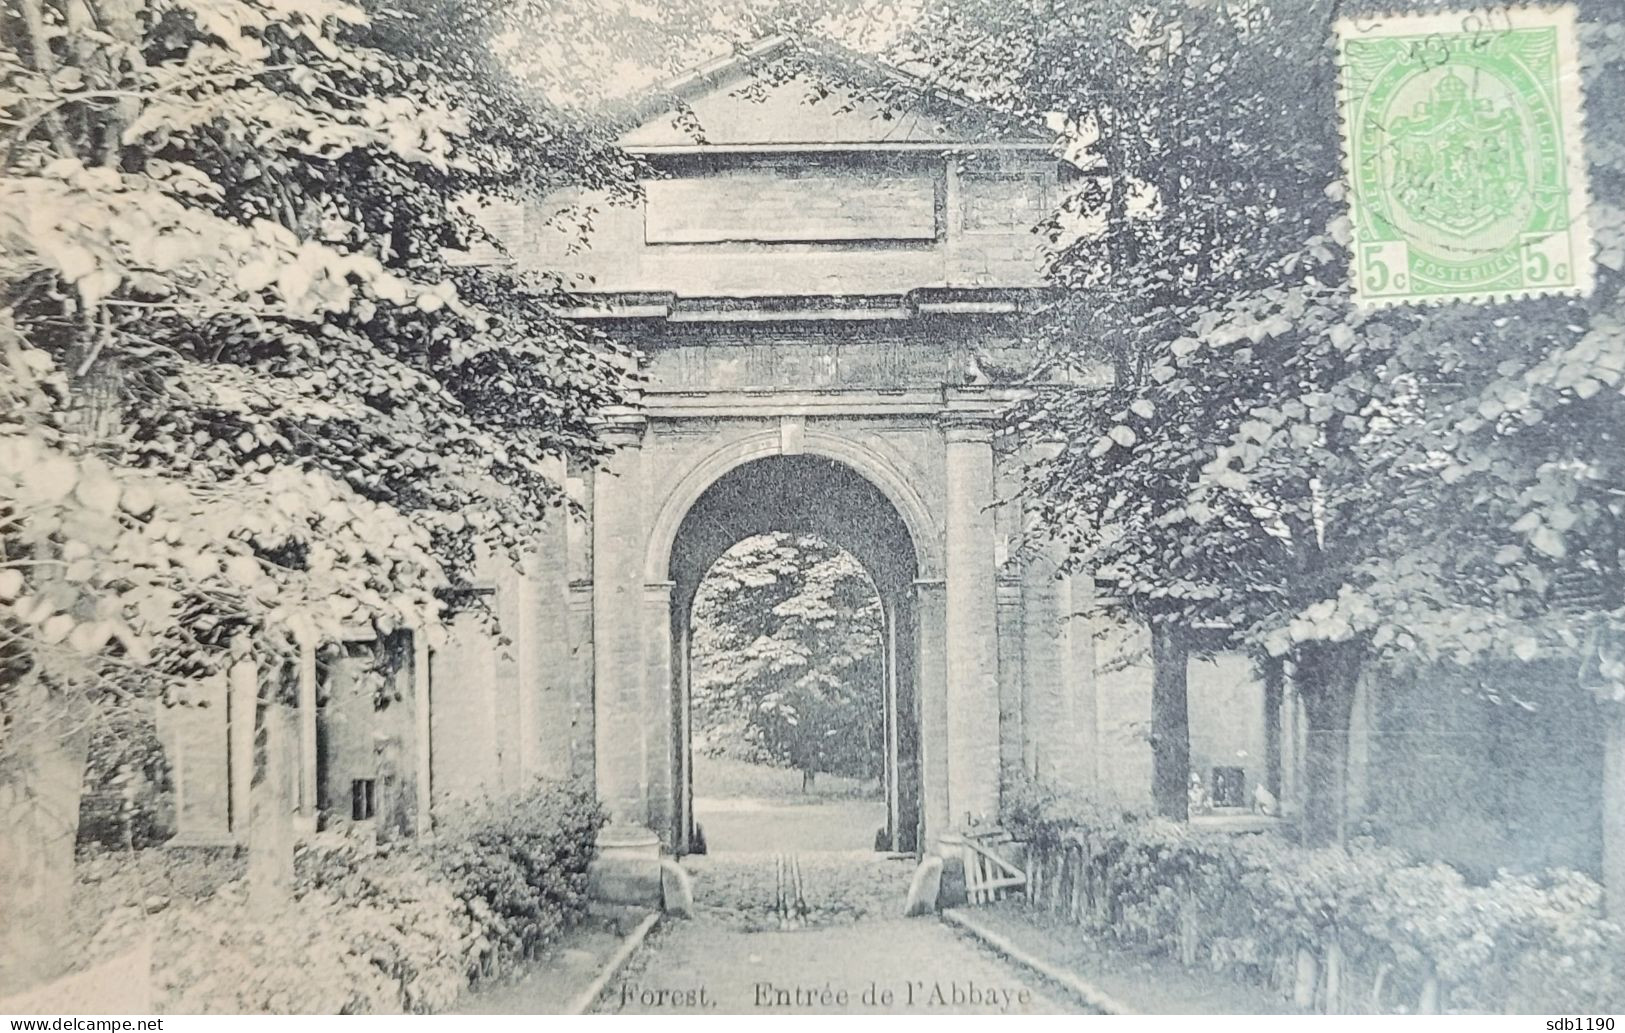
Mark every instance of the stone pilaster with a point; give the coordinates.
(619, 676)
(1076, 600)
(659, 708)
(971, 622)
(889, 725)
(305, 637)
(683, 691)
(932, 682)
(510, 706)
(1016, 732)
(1016, 754)
(545, 639)
(1059, 663)
(583, 717)
(242, 699)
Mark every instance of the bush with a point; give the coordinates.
(1399, 931)
(523, 869)
(399, 929)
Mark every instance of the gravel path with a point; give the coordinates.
(899, 965)
(851, 954)
(739, 889)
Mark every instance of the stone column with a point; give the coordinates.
(583, 717)
(543, 640)
(527, 637)
(1016, 732)
(972, 629)
(578, 575)
(1047, 662)
(618, 668)
(1076, 601)
(683, 689)
(242, 701)
(507, 677)
(305, 635)
(893, 789)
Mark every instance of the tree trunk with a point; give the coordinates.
(1170, 723)
(1613, 809)
(41, 777)
(1325, 674)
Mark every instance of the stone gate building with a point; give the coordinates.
(827, 295)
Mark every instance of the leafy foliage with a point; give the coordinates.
(521, 866)
(391, 932)
(1328, 484)
(247, 394)
(787, 656)
(1519, 943)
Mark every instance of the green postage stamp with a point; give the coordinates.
(1462, 134)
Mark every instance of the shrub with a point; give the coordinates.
(400, 929)
(523, 869)
(1252, 904)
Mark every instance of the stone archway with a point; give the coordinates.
(883, 471)
(816, 494)
(676, 494)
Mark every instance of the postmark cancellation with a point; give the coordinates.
(1462, 133)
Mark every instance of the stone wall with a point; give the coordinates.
(1496, 767)
(1225, 705)
(506, 685)
(821, 225)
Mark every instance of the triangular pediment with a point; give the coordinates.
(778, 95)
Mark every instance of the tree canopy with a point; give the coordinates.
(1326, 483)
(788, 662)
(252, 392)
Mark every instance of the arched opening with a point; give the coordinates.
(786, 498)
(787, 699)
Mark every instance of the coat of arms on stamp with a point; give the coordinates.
(1463, 138)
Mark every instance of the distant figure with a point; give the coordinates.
(1264, 801)
(1197, 795)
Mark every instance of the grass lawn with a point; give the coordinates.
(734, 779)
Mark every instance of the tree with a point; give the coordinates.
(1182, 201)
(1327, 484)
(246, 397)
(787, 656)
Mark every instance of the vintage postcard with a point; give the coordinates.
(520, 508)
